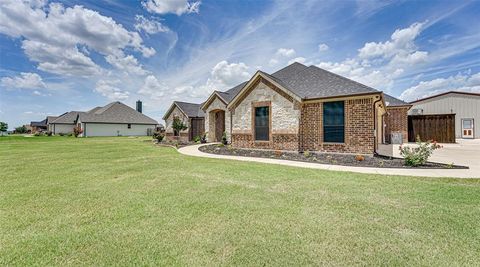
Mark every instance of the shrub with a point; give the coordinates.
(70, 134)
(61, 134)
(3, 127)
(306, 154)
(204, 138)
(38, 134)
(178, 125)
(77, 131)
(418, 155)
(224, 138)
(159, 136)
(49, 133)
(21, 129)
(196, 139)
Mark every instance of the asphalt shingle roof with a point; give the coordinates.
(191, 109)
(313, 82)
(68, 118)
(116, 112)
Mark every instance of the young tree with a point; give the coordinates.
(3, 127)
(178, 126)
(21, 129)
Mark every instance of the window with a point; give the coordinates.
(262, 131)
(129, 126)
(334, 122)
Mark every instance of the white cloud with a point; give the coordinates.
(110, 90)
(153, 88)
(297, 59)
(178, 7)
(52, 36)
(149, 26)
(26, 80)
(230, 74)
(285, 52)
(128, 64)
(459, 82)
(323, 47)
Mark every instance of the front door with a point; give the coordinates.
(219, 125)
(467, 128)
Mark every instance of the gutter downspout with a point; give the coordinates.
(375, 127)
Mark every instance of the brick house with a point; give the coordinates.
(191, 115)
(304, 108)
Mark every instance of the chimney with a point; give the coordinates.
(139, 106)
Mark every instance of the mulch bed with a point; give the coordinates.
(323, 158)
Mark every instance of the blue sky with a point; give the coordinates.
(57, 56)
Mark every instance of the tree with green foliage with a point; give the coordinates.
(178, 126)
(21, 129)
(3, 128)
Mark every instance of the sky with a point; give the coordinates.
(58, 56)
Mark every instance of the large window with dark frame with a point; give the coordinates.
(262, 123)
(334, 122)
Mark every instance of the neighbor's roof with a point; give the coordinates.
(39, 123)
(446, 93)
(50, 119)
(313, 82)
(116, 112)
(68, 118)
(391, 101)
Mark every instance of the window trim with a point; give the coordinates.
(257, 105)
(344, 123)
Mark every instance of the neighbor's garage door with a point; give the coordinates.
(438, 127)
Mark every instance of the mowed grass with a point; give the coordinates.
(124, 201)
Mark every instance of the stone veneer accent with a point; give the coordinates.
(396, 121)
(169, 121)
(216, 104)
(359, 125)
(284, 115)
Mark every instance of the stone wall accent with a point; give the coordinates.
(169, 121)
(216, 104)
(359, 127)
(396, 121)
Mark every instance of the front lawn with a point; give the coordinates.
(124, 201)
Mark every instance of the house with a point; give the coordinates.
(304, 108)
(446, 116)
(191, 115)
(114, 119)
(38, 126)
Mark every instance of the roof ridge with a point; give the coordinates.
(343, 77)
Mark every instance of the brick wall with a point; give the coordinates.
(183, 137)
(396, 121)
(359, 128)
(280, 141)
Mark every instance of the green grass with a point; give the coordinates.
(123, 201)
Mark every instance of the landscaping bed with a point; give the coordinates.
(323, 158)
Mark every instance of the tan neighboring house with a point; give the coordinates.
(191, 115)
(304, 108)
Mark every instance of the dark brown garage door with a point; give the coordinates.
(438, 127)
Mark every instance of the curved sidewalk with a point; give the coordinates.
(454, 173)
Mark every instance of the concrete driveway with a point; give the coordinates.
(465, 152)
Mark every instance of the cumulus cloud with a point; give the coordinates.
(459, 82)
(153, 88)
(282, 55)
(285, 52)
(297, 59)
(110, 90)
(177, 7)
(323, 47)
(129, 64)
(149, 26)
(53, 34)
(26, 80)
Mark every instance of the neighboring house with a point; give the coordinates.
(304, 109)
(191, 115)
(38, 126)
(49, 120)
(114, 119)
(455, 114)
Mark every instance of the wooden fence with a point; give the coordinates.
(438, 127)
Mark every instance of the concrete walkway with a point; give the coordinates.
(457, 173)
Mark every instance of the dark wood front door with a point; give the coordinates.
(197, 128)
(219, 125)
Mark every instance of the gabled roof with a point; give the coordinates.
(68, 118)
(446, 93)
(39, 123)
(50, 119)
(394, 102)
(115, 112)
(190, 110)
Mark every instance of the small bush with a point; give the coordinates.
(306, 154)
(196, 139)
(204, 138)
(38, 134)
(61, 134)
(224, 138)
(159, 136)
(70, 134)
(418, 155)
(49, 133)
(21, 130)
